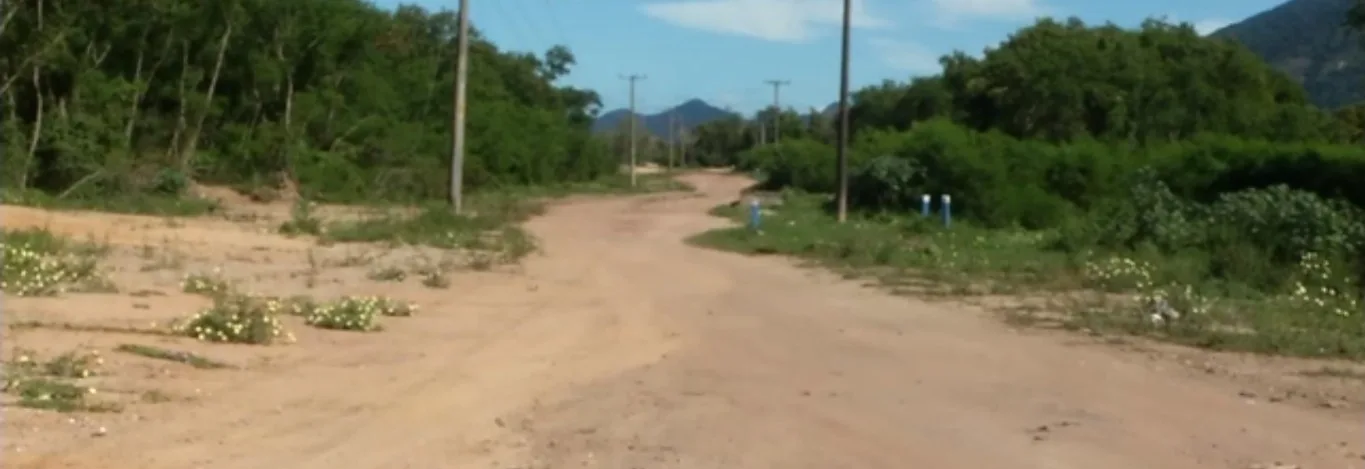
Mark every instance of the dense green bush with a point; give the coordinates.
(997, 180)
(349, 100)
(798, 163)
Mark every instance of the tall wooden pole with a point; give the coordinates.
(458, 120)
(842, 197)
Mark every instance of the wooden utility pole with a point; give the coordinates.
(458, 120)
(672, 136)
(842, 156)
(632, 79)
(777, 108)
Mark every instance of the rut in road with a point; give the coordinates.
(621, 347)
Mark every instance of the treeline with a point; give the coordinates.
(344, 99)
(1060, 115)
(1144, 139)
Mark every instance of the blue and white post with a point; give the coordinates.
(947, 210)
(924, 202)
(755, 213)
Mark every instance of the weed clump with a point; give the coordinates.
(238, 319)
(38, 263)
(357, 313)
(210, 284)
(302, 220)
(52, 384)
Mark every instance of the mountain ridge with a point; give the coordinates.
(689, 114)
(1309, 41)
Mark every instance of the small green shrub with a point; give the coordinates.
(302, 220)
(357, 313)
(235, 318)
(38, 263)
(211, 284)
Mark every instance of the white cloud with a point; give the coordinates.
(772, 20)
(907, 56)
(949, 13)
(1207, 27)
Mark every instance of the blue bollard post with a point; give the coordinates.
(924, 205)
(755, 213)
(947, 211)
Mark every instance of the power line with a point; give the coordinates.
(842, 197)
(777, 107)
(633, 117)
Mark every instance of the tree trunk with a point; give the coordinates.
(173, 149)
(22, 179)
(37, 132)
(193, 143)
(137, 93)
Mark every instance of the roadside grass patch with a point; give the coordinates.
(158, 353)
(437, 227)
(302, 220)
(357, 313)
(237, 318)
(245, 319)
(133, 203)
(489, 229)
(210, 284)
(39, 263)
(1200, 297)
(55, 384)
(893, 247)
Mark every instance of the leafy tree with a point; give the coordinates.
(1355, 17)
(348, 100)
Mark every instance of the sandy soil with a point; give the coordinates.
(621, 347)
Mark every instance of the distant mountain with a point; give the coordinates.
(689, 114)
(1307, 40)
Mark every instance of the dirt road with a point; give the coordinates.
(621, 347)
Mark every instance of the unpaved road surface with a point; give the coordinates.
(621, 347)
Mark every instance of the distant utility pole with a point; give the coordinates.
(682, 151)
(777, 107)
(457, 120)
(842, 155)
(632, 79)
(672, 136)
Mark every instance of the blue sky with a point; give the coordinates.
(722, 51)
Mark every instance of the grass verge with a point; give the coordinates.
(490, 228)
(1167, 297)
(55, 384)
(39, 263)
(138, 204)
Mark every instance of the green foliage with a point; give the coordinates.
(1176, 171)
(357, 313)
(1235, 298)
(38, 263)
(800, 163)
(436, 226)
(237, 318)
(302, 221)
(352, 102)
